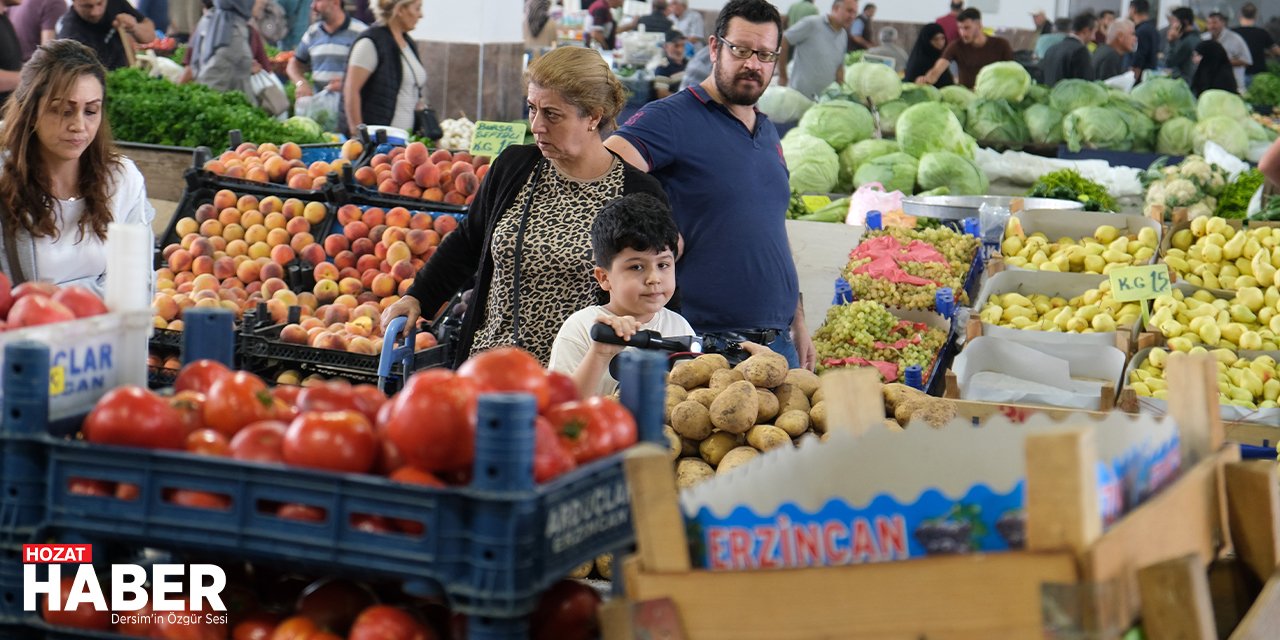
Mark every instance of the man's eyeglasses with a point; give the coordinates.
(743, 53)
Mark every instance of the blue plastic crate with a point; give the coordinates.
(492, 547)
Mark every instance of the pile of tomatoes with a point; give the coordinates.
(425, 434)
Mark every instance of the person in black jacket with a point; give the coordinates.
(385, 77)
(526, 237)
(926, 51)
(1213, 69)
(1070, 58)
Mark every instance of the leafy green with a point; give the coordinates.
(857, 154)
(1072, 94)
(813, 163)
(835, 211)
(784, 104)
(1216, 102)
(1226, 132)
(957, 94)
(1095, 127)
(1165, 98)
(896, 171)
(1177, 137)
(1234, 201)
(1044, 124)
(838, 123)
(1067, 184)
(996, 123)
(889, 113)
(1002, 81)
(1265, 90)
(872, 81)
(960, 176)
(930, 126)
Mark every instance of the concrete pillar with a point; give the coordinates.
(473, 51)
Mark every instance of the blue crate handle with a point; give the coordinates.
(393, 352)
(1253, 452)
(642, 379)
(209, 334)
(844, 292)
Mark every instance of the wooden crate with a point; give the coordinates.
(996, 595)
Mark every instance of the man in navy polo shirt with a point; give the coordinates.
(720, 161)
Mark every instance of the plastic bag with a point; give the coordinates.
(992, 219)
(321, 107)
(871, 197)
(1215, 154)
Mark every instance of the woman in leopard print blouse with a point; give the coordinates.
(526, 237)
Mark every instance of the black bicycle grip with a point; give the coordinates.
(605, 333)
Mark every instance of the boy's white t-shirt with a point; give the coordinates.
(574, 339)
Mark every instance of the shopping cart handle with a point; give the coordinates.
(393, 351)
(1253, 452)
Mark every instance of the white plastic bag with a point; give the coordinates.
(1214, 154)
(321, 107)
(871, 197)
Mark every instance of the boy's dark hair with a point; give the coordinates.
(637, 221)
(1141, 6)
(753, 11)
(1083, 21)
(1248, 11)
(969, 14)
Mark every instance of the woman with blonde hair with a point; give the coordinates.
(62, 182)
(385, 77)
(526, 237)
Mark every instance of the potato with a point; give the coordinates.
(722, 378)
(766, 370)
(688, 448)
(716, 445)
(906, 410)
(805, 379)
(892, 425)
(816, 397)
(794, 422)
(735, 409)
(767, 406)
(691, 471)
(691, 374)
(583, 570)
(604, 565)
(716, 360)
(791, 398)
(766, 436)
(936, 413)
(704, 396)
(818, 416)
(736, 458)
(674, 446)
(678, 392)
(896, 393)
(667, 408)
(691, 420)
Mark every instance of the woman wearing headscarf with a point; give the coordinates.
(539, 28)
(223, 57)
(1213, 69)
(928, 48)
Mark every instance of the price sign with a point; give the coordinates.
(57, 380)
(813, 203)
(490, 138)
(1140, 283)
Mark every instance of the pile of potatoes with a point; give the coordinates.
(902, 404)
(720, 417)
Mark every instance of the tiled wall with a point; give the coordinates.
(476, 80)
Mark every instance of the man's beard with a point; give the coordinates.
(736, 95)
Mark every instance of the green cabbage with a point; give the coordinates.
(783, 104)
(1225, 131)
(1257, 132)
(1177, 137)
(960, 112)
(896, 171)
(1069, 95)
(1097, 128)
(304, 125)
(872, 81)
(1037, 94)
(1142, 130)
(813, 164)
(838, 122)
(1002, 81)
(858, 154)
(1044, 124)
(996, 123)
(957, 94)
(1165, 98)
(889, 113)
(930, 126)
(913, 93)
(1216, 102)
(959, 175)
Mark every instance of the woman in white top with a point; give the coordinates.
(62, 182)
(385, 78)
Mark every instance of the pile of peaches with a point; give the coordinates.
(281, 164)
(413, 171)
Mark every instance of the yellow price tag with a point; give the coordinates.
(490, 138)
(57, 380)
(1140, 283)
(813, 203)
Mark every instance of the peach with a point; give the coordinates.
(330, 340)
(398, 251)
(443, 225)
(335, 313)
(362, 345)
(351, 149)
(248, 271)
(335, 244)
(291, 151)
(183, 278)
(434, 194)
(453, 197)
(257, 174)
(202, 265)
(235, 171)
(367, 297)
(362, 247)
(402, 171)
(165, 307)
(362, 327)
(232, 288)
(293, 334)
(200, 247)
(292, 208)
(296, 225)
(441, 155)
(325, 271)
(300, 180)
(410, 190)
(206, 282)
(233, 231)
(259, 250)
(460, 167)
(366, 262)
(347, 300)
(247, 148)
(325, 291)
(204, 212)
(380, 250)
(376, 232)
(349, 213)
(274, 221)
(270, 269)
(318, 169)
(251, 218)
(466, 183)
(282, 254)
(423, 340)
(315, 212)
(271, 285)
(277, 168)
(255, 233)
(426, 175)
(254, 289)
(383, 285)
(278, 237)
(367, 276)
(379, 159)
(344, 259)
(215, 166)
(210, 228)
(463, 156)
(307, 300)
(365, 176)
(223, 268)
(392, 235)
(388, 186)
(348, 272)
(481, 171)
(420, 220)
(219, 244)
(237, 248)
(416, 153)
(186, 225)
(396, 153)
(318, 183)
(403, 270)
(403, 289)
(224, 198)
(312, 254)
(355, 230)
(417, 240)
(301, 240)
(286, 297)
(374, 217)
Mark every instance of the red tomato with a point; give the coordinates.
(260, 442)
(371, 524)
(200, 375)
(332, 440)
(388, 459)
(283, 411)
(82, 617)
(6, 295)
(566, 611)
(413, 475)
(235, 401)
(508, 369)
(381, 622)
(333, 604)
(432, 421)
(303, 512)
(561, 388)
(327, 396)
(199, 499)
(87, 487)
(258, 626)
(208, 442)
(34, 309)
(295, 628)
(593, 428)
(286, 392)
(369, 400)
(127, 491)
(189, 405)
(134, 417)
(34, 288)
(81, 301)
(550, 458)
(136, 629)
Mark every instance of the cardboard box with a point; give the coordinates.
(1066, 285)
(1228, 412)
(1081, 224)
(1067, 376)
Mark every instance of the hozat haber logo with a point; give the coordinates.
(125, 594)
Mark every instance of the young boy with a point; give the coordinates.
(634, 241)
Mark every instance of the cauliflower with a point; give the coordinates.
(1199, 210)
(1155, 193)
(1196, 170)
(1216, 184)
(1181, 192)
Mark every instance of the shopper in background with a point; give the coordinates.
(526, 237)
(973, 51)
(298, 15)
(1213, 69)
(10, 52)
(1042, 24)
(183, 16)
(1261, 44)
(604, 30)
(817, 45)
(97, 23)
(1070, 58)
(1105, 18)
(861, 29)
(1148, 45)
(221, 54)
(1270, 164)
(656, 22)
(1235, 46)
(720, 161)
(1108, 60)
(799, 10)
(673, 67)
(539, 28)
(36, 22)
(61, 183)
(925, 53)
(697, 69)
(950, 22)
(385, 76)
(889, 48)
(1183, 38)
(324, 49)
(689, 22)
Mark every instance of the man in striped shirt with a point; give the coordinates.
(324, 48)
